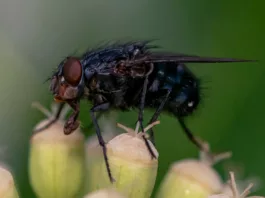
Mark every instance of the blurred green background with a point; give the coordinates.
(36, 35)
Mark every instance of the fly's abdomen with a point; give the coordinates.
(186, 100)
(185, 93)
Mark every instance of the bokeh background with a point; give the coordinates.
(36, 35)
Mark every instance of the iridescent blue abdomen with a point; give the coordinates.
(185, 88)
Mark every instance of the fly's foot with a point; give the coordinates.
(208, 157)
(142, 134)
(70, 126)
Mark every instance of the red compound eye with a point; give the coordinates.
(72, 71)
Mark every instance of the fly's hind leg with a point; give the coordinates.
(179, 110)
(206, 155)
(197, 142)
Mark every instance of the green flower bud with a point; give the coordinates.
(131, 164)
(191, 178)
(7, 185)
(105, 193)
(57, 161)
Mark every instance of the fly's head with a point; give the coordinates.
(66, 83)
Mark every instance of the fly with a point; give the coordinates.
(126, 76)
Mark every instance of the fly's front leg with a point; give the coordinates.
(58, 113)
(72, 123)
(91, 124)
(98, 108)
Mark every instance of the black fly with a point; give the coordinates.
(124, 76)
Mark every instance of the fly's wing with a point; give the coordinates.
(140, 65)
(160, 57)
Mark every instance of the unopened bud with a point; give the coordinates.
(56, 163)
(191, 178)
(131, 164)
(7, 185)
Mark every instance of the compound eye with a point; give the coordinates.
(72, 71)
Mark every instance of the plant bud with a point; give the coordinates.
(105, 193)
(234, 193)
(7, 185)
(131, 164)
(191, 178)
(57, 161)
